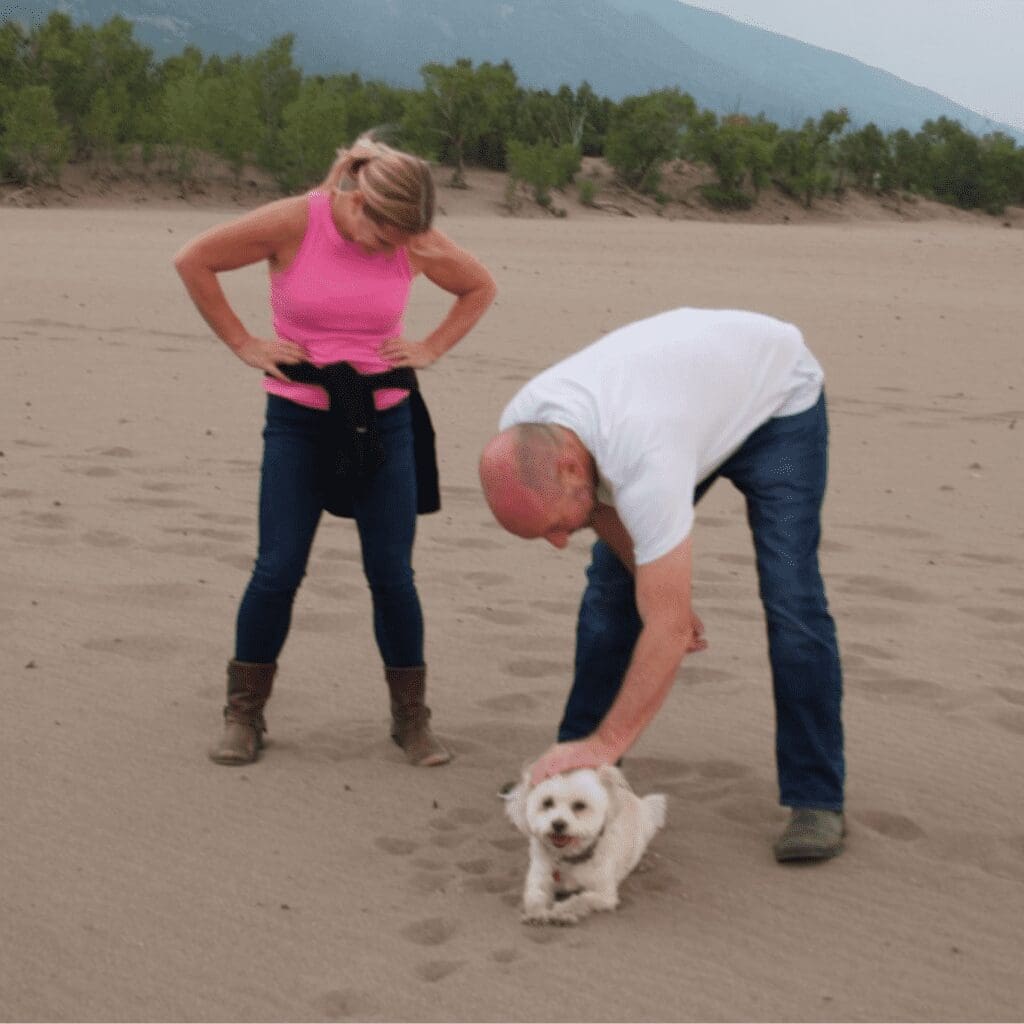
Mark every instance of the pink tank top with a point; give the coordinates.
(339, 303)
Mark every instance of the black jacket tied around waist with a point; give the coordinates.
(354, 450)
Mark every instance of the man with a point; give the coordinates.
(625, 437)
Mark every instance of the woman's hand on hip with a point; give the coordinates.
(265, 354)
(399, 352)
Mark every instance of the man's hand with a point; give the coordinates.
(567, 757)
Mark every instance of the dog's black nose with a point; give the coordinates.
(558, 826)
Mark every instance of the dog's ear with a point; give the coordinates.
(614, 782)
(515, 802)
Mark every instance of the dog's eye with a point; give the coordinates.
(547, 804)
(578, 806)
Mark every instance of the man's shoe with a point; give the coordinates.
(812, 834)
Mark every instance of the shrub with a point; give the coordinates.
(542, 167)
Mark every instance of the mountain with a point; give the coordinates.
(621, 47)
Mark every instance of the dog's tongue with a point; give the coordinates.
(561, 841)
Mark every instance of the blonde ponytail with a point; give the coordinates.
(397, 187)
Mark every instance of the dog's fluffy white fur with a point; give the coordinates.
(587, 830)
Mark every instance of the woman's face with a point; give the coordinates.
(368, 232)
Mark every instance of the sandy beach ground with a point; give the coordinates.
(330, 881)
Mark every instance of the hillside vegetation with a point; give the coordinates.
(75, 93)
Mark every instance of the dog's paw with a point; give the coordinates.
(534, 917)
(563, 918)
(549, 915)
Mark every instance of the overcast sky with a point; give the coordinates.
(971, 51)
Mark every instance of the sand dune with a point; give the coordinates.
(330, 881)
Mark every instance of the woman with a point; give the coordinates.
(341, 261)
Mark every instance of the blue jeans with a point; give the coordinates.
(781, 471)
(291, 503)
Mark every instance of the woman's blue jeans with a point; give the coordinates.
(781, 471)
(291, 503)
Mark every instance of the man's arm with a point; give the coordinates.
(670, 630)
(608, 526)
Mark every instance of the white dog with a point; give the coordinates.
(587, 830)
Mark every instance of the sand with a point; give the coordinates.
(330, 881)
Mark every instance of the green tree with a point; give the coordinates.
(738, 150)
(314, 124)
(1002, 173)
(644, 132)
(954, 162)
(542, 166)
(35, 143)
(865, 154)
(230, 124)
(103, 127)
(183, 120)
(458, 107)
(14, 48)
(804, 160)
(57, 61)
(276, 83)
(908, 170)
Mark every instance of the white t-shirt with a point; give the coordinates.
(662, 403)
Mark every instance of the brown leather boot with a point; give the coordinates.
(410, 717)
(248, 690)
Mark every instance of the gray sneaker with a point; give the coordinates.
(812, 834)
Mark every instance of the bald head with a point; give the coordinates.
(537, 481)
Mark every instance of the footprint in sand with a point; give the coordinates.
(985, 558)
(106, 539)
(488, 579)
(533, 668)
(430, 931)
(437, 970)
(1010, 695)
(46, 520)
(467, 543)
(714, 522)
(1011, 721)
(880, 586)
(225, 519)
(557, 607)
(395, 846)
(496, 616)
(705, 781)
(455, 492)
(242, 560)
(117, 452)
(889, 530)
(717, 769)
(898, 688)
(341, 1004)
(872, 615)
(701, 675)
(141, 647)
(997, 614)
(870, 651)
(161, 503)
(999, 856)
(892, 826)
(508, 703)
(476, 866)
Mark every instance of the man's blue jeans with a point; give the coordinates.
(291, 503)
(781, 471)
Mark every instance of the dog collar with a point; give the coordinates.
(581, 858)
